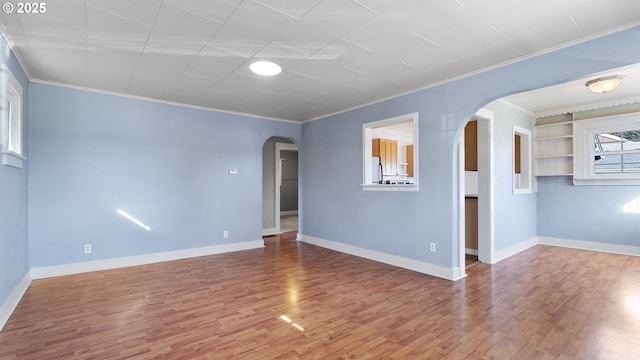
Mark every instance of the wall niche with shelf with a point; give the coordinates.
(553, 146)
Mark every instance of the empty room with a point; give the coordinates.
(320, 179)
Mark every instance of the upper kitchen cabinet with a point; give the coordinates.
(387, 151)
(389, 154)
(471, 146)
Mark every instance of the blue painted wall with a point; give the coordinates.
(91, 153)
(167, 166)
(14, 256)
(587, 213)
(515, 215)
(399, 223)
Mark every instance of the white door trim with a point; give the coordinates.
(486, 192)
(278, 161)
(486, 246)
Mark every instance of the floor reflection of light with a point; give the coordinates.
(633, 304)
(632, 206)
(134, 220)
(286, 319)
(292, 288)
(293, 298)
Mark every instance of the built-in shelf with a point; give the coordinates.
(554, 124)
(554, 174)
(555, 137)
(553, 156)
(553, 146)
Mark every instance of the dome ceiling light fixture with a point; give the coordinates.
(604, 84)
(266, 68)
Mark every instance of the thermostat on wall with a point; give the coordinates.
(233, 171)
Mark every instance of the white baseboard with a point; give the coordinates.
(589, 245)
(96, 265)
(471, 251)
(453, 274)
(270, 231)
(13, 299)
(514, 249)
(410, 264)
(288, 212)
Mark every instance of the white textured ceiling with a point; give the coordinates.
(336, 54)
(573, 96)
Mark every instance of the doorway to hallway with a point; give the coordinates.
(288, 189)
(279, 186)
(477, 192)
(288, 223)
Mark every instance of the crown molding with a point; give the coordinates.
(589, 107)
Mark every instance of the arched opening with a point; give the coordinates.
(534, 162)
(476, 192)
(280, 186)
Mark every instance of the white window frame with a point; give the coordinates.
(12, 124)
(522, 184)
(367, 168)
(584, 132)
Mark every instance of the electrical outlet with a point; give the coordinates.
(87, 248)
(432, 247)
(225, 234)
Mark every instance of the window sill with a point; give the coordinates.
(522, 191)
(622, 182)
(9, 158)
(389, 187)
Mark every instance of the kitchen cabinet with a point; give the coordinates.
(471, 146)
(387, 151)
(471, 223)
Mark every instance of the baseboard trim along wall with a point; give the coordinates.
(589, 245)
(471, 251)
(14, 298)
(514, 249)
(399, 261)
(270, 231)
(96, 265)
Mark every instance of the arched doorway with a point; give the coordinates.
(279, 186)
(478, 187)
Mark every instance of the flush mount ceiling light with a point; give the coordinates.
(266, 68)
(604, 84)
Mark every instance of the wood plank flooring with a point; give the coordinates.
(292, 300)
(470, 260)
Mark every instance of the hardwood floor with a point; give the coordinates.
(470, 260)
(292, 300)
